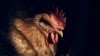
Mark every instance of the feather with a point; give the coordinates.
(37, 36)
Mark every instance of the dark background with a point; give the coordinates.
(81, 36)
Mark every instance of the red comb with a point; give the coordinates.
(59, 15)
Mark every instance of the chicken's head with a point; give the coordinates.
(52, 24)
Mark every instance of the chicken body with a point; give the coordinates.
(37, 36)
(29, 39)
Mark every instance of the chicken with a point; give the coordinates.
(37, 36)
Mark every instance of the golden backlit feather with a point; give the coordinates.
(29, 36)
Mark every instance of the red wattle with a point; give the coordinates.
(52, 38)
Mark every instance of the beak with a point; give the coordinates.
(60, 33)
